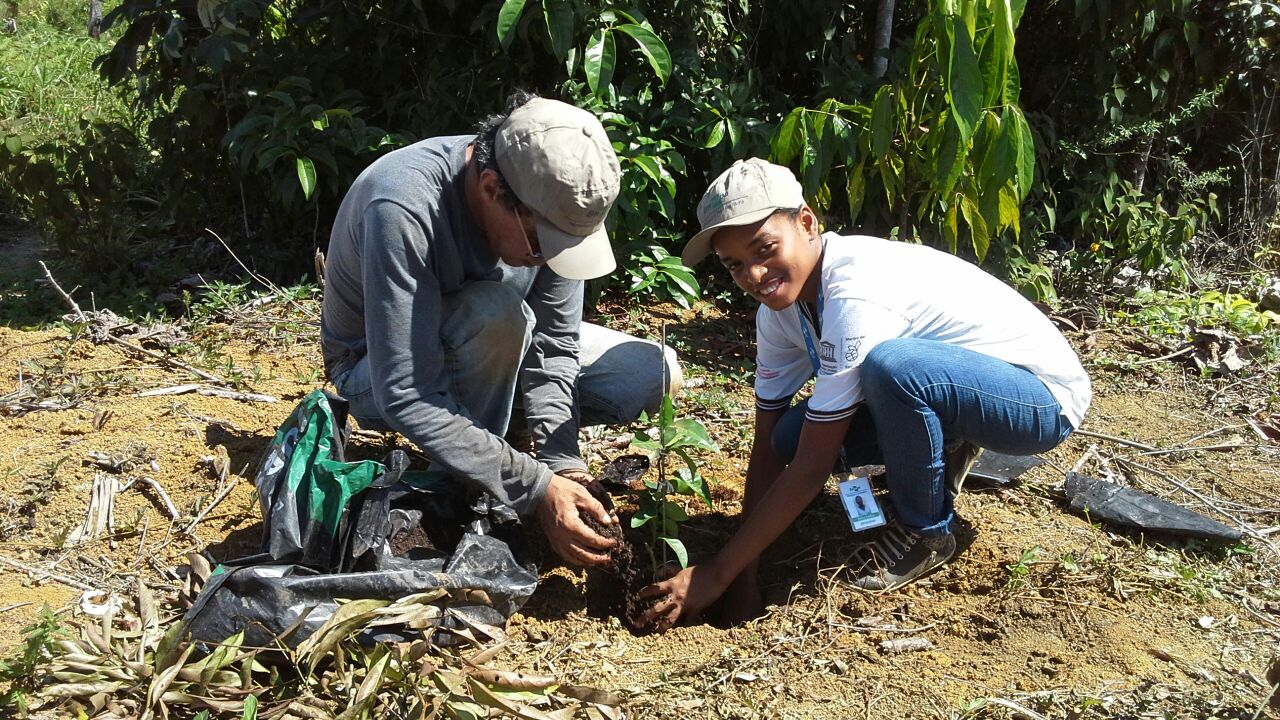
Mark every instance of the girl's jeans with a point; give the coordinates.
(920, 394)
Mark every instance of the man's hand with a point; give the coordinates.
(568, 535)
(682, 597)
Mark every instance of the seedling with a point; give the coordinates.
(1019, 571)
(679, 437)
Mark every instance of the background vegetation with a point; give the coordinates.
(1055, 142)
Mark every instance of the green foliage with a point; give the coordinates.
(19, 672)
(256, 115)
(1125, 224)
(1020, 571)
(941, 149)
(1165, 313)
(679, 437)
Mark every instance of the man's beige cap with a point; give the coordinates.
(560, 163)
(748, 192)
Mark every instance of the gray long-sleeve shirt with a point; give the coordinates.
(402, 239)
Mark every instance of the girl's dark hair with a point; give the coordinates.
(482, 150)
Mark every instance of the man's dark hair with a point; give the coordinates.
(482, 148)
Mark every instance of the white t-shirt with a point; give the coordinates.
(875, 290)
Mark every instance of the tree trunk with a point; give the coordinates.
(95, 18)
(880, 45)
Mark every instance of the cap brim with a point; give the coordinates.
(574, 256)
(697, 249)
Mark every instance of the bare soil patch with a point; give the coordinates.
(1040, 609)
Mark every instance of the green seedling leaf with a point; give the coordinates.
(508, 18)
(642, 518)
(692, 433)
(653, 48)
(599, 61)
(646, 444)
(677, 547)
(250, 708)
(691, 482)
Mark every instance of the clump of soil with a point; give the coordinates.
(622, 565)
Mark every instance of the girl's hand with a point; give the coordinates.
(682, 597)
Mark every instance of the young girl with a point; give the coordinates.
(915, 352)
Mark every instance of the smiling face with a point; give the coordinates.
(775, 260)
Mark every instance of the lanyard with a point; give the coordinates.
(808, 337)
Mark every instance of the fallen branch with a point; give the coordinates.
(45, 574)
(164, 496)
(1170, 356)
(1117, 440)
(209, 391)
(1189, 448)
(124, 343)
(222, 495)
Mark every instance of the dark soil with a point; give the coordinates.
(622, 565)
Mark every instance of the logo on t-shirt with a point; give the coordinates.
(828, 352)
(852, 349)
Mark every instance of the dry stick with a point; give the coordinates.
(270, 285)
(1189, 448)
(222, 495)
(50, 575)
(164, 496)
(1117, 440)
(126, 344)
(1170, 356)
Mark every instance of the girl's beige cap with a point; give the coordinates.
(559, 162)
(749, 191)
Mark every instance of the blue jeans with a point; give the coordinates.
(486, 331)
(921, 394)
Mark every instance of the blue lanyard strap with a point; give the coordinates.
(810, 346)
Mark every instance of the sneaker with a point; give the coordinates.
(900, 555)
(959, 458)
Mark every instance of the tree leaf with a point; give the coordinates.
(977, 226)
(717, 134)
(686, 282)
(306, 176)
(882, 122)
(649, 166)
(1024, 148)
(599, 61)
(964, 78)
(652, 47)
(559, 17)
(789, 140)
(856, 188)
(508, 18)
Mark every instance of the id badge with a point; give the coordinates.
(860, 504)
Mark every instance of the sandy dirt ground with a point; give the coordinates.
(1041, 609)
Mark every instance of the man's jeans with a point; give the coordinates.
(486, 331)
(921, 394)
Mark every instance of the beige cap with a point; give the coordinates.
(560, 163)
(749, 191)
